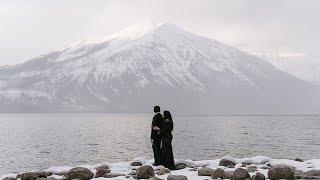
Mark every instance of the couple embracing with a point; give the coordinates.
(161, 138)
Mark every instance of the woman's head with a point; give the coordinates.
(167, 115)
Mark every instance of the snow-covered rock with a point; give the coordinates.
(305, 170)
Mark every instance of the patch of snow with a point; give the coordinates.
(257, 159)
(56, 177)
(58, 170)
(303, 166)
(8, 176)
(98, 95)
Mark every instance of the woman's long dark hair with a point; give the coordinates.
(167, 115)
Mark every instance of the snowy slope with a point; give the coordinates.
(303, 67)
(149, 64)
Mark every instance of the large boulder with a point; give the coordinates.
(102, 171)
(145, 172)
(218, 173)
(312, 174)
(29, 176)
(180, 166)
(281, 172)
(177, 177)
(227, 163)
(228, 174)
(258, 176)
(241, 174)
(205, 171)
(79, 173)
(34, 175)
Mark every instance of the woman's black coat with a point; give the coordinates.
(166, 135)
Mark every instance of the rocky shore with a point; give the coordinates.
(255, 168)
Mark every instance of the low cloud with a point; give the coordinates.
(30, 28)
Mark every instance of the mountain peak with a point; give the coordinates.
(137, 30)
(132, 32)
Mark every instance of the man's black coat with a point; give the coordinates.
(157, 121)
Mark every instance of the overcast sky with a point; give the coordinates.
(29, 28)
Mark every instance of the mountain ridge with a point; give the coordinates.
(161, 64)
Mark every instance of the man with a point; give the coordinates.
(155, 135)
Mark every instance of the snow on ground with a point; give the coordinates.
(189, 171)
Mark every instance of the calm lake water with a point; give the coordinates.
(38, 141)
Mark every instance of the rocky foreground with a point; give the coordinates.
(255, 168)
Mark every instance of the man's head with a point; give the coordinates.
(156, 109)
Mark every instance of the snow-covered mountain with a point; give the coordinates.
(150, 64)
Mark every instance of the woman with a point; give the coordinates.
(166, 135)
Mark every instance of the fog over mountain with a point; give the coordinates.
(151, 64)
(303, 67)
